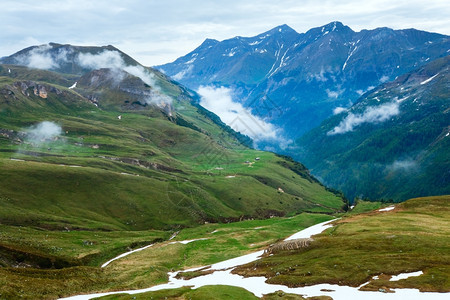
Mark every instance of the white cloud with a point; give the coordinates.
(403, 165)
(376, 114)
(362, 92)
(334, 94)
(219, 100)
(339, 110)
(113, 60)
(384, 78)
(105, 59)
(320, 76)
(180, 75)
(43, 132)
(143, 74)
(40, 58)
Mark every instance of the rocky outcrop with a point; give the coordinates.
(39, 90)
(288, 245)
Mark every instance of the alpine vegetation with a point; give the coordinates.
(114, 61)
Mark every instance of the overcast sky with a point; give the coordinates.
(158, 31)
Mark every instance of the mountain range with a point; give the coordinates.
(296, 81)
(100, 155)
(306, 75)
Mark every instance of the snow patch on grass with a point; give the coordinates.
(405, 275)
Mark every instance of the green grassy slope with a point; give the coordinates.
(208, 292)
(105, 184)
(412, 237)
(124, 164)
(140, 269)
(190, 173)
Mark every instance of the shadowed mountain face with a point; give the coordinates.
(102, 142)
(304, 77)
(393, 143)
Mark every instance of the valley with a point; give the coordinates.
(377, 98)
(117, 181)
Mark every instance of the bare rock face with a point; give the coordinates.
(23, 86)
(7, 92)
(39, 90)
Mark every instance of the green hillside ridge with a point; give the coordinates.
(208, 292)
(120, 175)
(175, 163)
